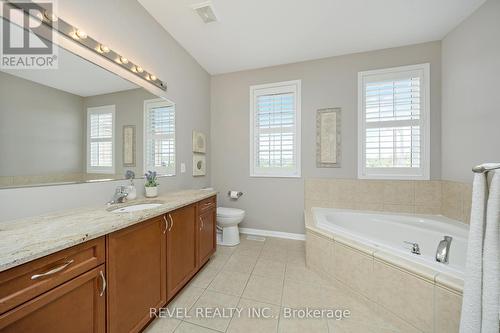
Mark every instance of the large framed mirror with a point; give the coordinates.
(79, 123)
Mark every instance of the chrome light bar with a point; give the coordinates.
(79, 36)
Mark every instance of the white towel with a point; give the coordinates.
(480, 306)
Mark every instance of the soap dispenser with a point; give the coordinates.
(131, 190)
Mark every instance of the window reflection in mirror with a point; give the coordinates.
(66, 125)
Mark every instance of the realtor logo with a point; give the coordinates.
(23, 46)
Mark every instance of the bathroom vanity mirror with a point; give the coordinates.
(74, 124)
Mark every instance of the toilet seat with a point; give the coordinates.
(229, 212)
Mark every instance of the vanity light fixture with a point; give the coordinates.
(49, 19)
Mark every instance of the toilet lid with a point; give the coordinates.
(229, 212)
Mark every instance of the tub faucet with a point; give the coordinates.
(119, 196)
(443, 250)
(415, 249)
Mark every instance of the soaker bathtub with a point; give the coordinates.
(388, 232)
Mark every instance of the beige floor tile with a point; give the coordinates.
(270, 269)
(303, 274)
(248, 251)
(213, 301)
(186, 298)
(218, 261)
(240, 263)
(301, 325)
(204, 277)
(264, 289)
(228, 250)
(274, 253)
(296, 258)
(297, 294)
(296, 245)
(255, 317)
(227, 282)
(186, 327)
(162, 325)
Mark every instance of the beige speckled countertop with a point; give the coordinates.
(27, 239)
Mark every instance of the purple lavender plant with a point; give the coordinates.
(151, 180)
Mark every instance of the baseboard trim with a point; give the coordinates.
(271, 233)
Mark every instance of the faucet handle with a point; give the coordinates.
(415, 248)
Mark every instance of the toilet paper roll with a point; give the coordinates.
(234, 194)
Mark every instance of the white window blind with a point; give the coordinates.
(393, 123)
(100, 139)
(159, 137)
(275, 129)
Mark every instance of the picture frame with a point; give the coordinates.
(199, 142)
(199, 165)
(328, 138)
(129, 146)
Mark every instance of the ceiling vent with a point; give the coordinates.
(206, 11)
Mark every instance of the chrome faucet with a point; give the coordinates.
(119, 196)
(443, 250)
(415, 249)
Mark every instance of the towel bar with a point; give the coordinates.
(485, 168)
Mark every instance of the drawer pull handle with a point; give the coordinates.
(172, 221)
(166, 224)
(202, 223)
(103, 283)
(53, 271)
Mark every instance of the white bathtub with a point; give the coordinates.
(388, 231)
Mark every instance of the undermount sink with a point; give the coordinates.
(136, 208)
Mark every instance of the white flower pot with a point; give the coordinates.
(151, 192)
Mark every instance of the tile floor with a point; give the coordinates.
(270, 276)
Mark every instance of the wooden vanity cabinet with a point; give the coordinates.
(207, 233)
(77, 306)
(136, 261)
(181, 248)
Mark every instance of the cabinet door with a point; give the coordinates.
(181, 248)
(77, 306)
(206, 236)
(136, 275)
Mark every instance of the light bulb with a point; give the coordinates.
(50, 16)
(139, 69)
(103, 49)
(81, 34)
(152, 77)
(123, 60)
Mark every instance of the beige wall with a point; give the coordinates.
(128, 28)
(471, 98)
(278, 203)
(41, 129)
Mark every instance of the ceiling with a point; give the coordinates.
(74, 75)
(260, 33)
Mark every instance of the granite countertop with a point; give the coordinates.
(27, 239)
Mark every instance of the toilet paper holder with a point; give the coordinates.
(238, 195)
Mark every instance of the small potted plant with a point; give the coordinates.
(151, 185)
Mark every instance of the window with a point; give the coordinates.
(275, 130)
(101, 139)
(393, 123)
(159, 136)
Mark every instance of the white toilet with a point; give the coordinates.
(227, 225)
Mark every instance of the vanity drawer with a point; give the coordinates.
(206, 204)
(22, 283)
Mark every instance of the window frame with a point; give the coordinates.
(148, 104)
(293, 86)
(422, 173)
(102, 109)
